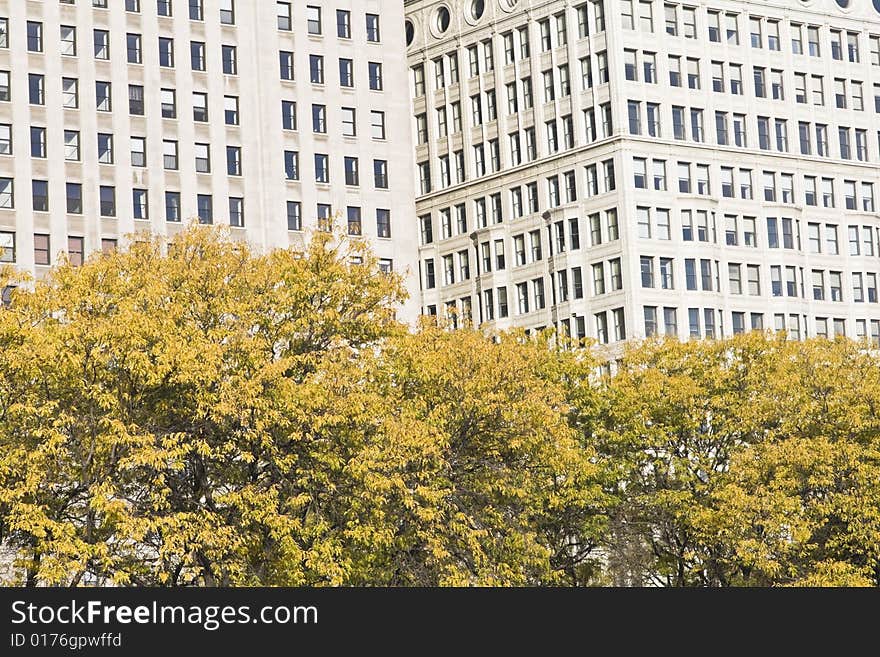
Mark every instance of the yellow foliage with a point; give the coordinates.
(193, 413)
(748, 461)
(197, 414)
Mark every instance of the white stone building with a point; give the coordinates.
(121, 115)
(624, 168)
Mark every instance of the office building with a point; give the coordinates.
(123, 115)
(627, 168)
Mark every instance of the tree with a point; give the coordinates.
(192, 413)
(802, 506)
(199, 414)
(750, 461)
(670, 423)
(151, 407)
(503, 492)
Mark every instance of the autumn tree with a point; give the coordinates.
(503, 492)
(194, 413)
(152, 411)
(802, 505)
(190, 412)
(740, 462)
(668, 429)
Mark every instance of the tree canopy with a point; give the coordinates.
(193, 413)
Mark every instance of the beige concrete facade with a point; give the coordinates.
(88, 115)
(627, 168)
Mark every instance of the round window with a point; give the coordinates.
(478, 7)
(443, 19)
(410, 32)
(843, 4)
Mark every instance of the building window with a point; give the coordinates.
(107, 195)
(349, 122)
(200, 107)
(75, 250)
(230, 60)
(291, 165)
(68, 40)
(354, 221)
(322, 168)
(346, 72)
(34, 36)
(230, 110)
(205, 208)
(168, 99)
(383, 223)
(284, 16)
(285, 58)
(343, 23)
(138, 151)
(38, 142)
(236, 212)
(36, 89)
(319, 119)
(172, 207)
(377, 124)
(424, 177)
(7, 196)
(135, 100)
(166, 52)
(233, 160)
(69, 91)
(140, 204)
(203, 158)
(380, 174)
(42, 253)
(294, 215)
(288, 114)
(227, 12)
(105, 148)
(103, 97)
(74, 198)
(427, 229)
(313, 19)
(316, 69)
(352, 176)
(40, 195)
(375, 74)
(196, 10)
(373, 35)
(5, 139)
(169, 154)
(324, 212)
(430, 277)
(197, 55)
